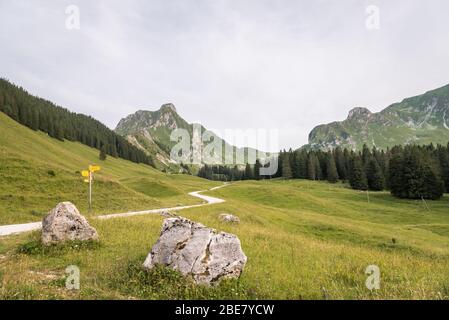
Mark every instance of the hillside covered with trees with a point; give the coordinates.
(59, 123)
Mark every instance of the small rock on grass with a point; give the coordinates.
(226, 217)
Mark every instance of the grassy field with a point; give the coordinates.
(37, 172)
(303, 239)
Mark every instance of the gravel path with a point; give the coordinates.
(26, 227)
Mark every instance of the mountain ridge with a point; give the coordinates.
(420, 119)
(151, 130)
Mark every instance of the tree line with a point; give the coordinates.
(412, 171)
(59, 123)
(229, 173)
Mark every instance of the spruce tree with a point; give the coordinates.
(59, 132)
(395, 174)
(366, 155)
(311, 167)
(331, 169)
(257, 167)
(374, 176)
(34, 120)
(413, 174)
(443, 158)
(340, 162)
(286, 168)
(296, 167)
(357, 176)
(433, 186)
(102, 155)
(303, 164)
(249, 175)
(318, 168)
(280, 161)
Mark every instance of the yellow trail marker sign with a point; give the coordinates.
(94, 168)
(89, 174)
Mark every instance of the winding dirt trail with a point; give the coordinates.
(208, 200)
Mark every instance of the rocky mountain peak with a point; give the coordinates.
(357, 113)
(168, 107)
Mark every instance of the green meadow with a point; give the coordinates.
(37, 172)
(303, 239)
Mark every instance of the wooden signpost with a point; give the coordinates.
(89, 176)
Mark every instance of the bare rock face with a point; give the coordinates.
(359, 113)
(197, 251)
(65, 223)
(226, 217)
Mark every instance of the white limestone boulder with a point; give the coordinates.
(197, 251)
(65, 223)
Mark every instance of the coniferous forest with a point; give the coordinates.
(412, 171)
(59, 123)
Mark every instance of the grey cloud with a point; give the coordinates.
(227, 64)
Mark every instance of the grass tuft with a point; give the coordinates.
(164, 283)
(36, 247)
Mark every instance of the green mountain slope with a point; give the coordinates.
(418, 120)
(151, 130)
(60, 123)
(37, 172)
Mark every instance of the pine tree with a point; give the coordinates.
(34, 120)
(279, 162)
(59, 133)
(257, 167)
(249, 174)
(286, 169)
(303, 164)
(357, 176)
(395, 174)
(296, 167)
(413, 174)
(366, 155)
(311, 167)
(331, 169)
(102, 155)
(374, 176)
(433, 186)
(314, 171)
(443, 157)
(340, 162)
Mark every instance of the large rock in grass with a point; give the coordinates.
(197, 251)
(65, 223)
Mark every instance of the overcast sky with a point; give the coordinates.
(286, 65)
